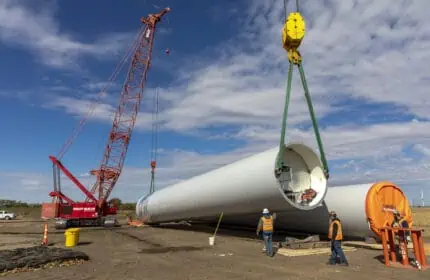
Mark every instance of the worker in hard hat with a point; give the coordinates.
(335, 235)
(403, 237)
(401, 222)
(265, 224)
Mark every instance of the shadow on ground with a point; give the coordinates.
(140, 239)
(241, 232)
(163, 250)
(158, 248)
(380, 258)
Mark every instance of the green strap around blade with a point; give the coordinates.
(152, 185)
(284, 117)
(314, 121)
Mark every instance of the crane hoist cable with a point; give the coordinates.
(154, 140)
(293, 33)
(154, 144)
(285, 9)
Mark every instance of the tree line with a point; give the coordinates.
(8, 203)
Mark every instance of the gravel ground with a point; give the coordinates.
(169, 253)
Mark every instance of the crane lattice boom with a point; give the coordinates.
(125, 115)
(96, 210)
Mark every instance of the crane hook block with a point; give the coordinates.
(293, 31)
(153, 164)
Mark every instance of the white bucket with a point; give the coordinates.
(211, 240)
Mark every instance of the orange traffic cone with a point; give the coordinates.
(45, 235)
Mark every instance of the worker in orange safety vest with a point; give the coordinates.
(266, 224)
(403, 238)
(401, 222)
(335, 235)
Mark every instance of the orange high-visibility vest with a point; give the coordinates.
(339, 235)
(267, 223)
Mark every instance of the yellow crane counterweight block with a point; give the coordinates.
(293, 31)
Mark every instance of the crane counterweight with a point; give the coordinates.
(96, 210)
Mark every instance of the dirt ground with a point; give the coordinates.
(181, 253)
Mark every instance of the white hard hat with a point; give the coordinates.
(265, 211)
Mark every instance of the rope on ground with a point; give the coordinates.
(34, 257)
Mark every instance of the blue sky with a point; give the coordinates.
(221, 89)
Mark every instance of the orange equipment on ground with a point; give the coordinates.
(382, 200)
(132, 223)
(388, 236)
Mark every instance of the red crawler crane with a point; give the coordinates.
(97, 210)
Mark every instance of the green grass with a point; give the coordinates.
(27, 212)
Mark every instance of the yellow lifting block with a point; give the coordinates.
(293, 31)
(72, 237)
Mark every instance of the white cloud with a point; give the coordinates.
(422, 149)
(246, 85)
(340, 60)
(39, 32)
(100, 111)
(30, 182)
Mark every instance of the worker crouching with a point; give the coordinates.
(335, 235)
(266, 223)
(400, 221)
(403, 237)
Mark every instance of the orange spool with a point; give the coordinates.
(381, 200)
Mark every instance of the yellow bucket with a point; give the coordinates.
(72, 237)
